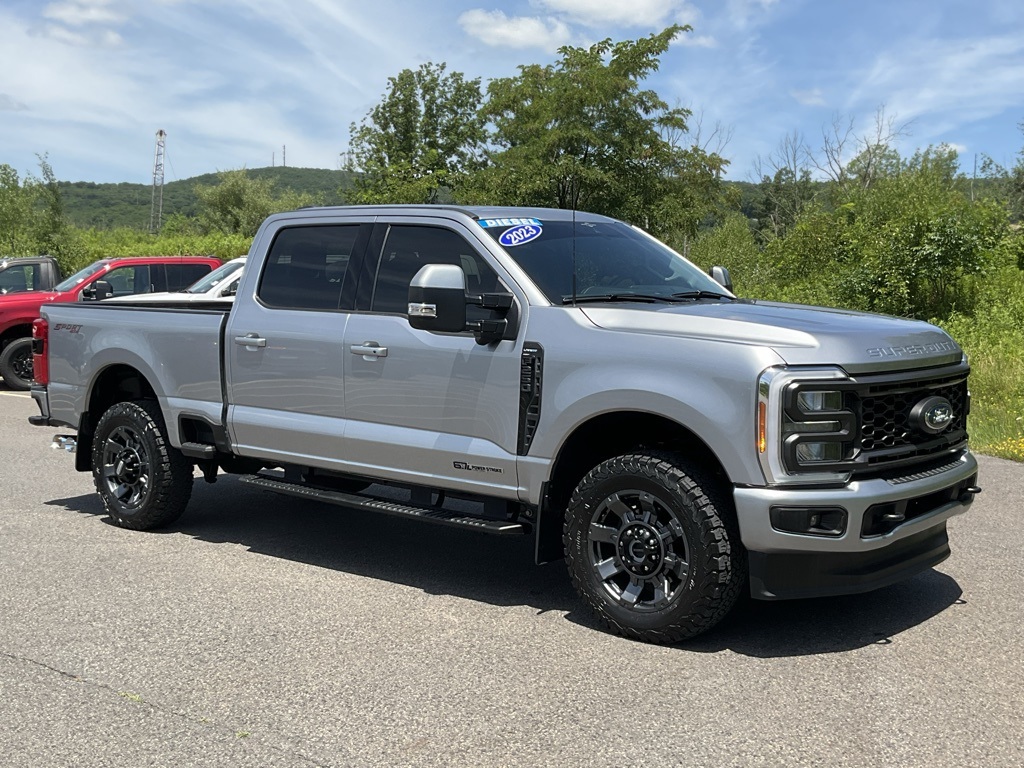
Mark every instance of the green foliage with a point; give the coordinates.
(906, 243)
(106, 243)
(582, 133)
(732, 244)
(32, 216)
(240, 203)
(993, 338)
(782, 197)
(108, 206)
(423, 138)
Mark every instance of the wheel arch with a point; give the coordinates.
(602, 437)
(17, 331)
(114, 384)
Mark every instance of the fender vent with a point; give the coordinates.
(530, 379)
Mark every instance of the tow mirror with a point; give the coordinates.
(98, 291)
(721, 276)
(437, 299)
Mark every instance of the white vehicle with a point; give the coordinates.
(220, 284)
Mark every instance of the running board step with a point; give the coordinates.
(430, 514)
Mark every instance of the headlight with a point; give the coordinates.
(806, 425)
(812, 401)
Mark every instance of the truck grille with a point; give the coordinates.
(883, 404)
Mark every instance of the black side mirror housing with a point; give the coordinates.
(98, 291)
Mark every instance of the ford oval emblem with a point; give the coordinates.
(932, 415)
(519, 235)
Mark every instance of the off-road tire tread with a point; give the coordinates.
(171, 481)
(726, 572)
(10, 376)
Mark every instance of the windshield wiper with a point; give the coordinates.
(702, 295)
(645, 298)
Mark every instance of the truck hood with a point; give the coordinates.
(799, 334)
(26, 298)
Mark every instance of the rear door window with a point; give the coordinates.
(308, 267)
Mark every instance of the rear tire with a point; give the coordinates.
(144, 482)
(653, 548)
(16, 364)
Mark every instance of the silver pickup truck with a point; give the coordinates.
(542, 372)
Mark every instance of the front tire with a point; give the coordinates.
(144, 482)
(16, 364)
(653, 548)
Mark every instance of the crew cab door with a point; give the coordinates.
(423, 407)
(285, 350)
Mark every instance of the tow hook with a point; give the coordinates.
(64, 442)
(967, 494)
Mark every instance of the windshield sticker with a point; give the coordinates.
(508, 222)
(524, 233)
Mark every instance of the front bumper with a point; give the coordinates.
(791, 565)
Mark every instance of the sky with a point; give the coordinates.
(252, 83)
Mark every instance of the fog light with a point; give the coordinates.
(810, 521)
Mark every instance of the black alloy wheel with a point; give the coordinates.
(144, 482)
(653, 547)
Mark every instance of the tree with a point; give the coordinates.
(785, 188)
(872, 153)
(910, 243)
(423, 139)
(1008, 183)
(32, 217)
(582, 133)
(240, 203)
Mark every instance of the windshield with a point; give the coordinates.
(612, 259)
(215, 278)
(80, 276)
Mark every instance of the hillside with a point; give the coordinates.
(106, 206)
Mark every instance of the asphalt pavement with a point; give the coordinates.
(261, 630)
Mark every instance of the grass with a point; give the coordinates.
(994, 344)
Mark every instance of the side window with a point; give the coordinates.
(408, 248)
(183, 275)
(126, 281)
(307, 267)
(19, 278)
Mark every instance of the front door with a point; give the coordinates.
(428, 408)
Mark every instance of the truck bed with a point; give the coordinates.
(178, 349)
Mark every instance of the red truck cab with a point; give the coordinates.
(101, 279)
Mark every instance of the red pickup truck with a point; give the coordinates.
(104, 278)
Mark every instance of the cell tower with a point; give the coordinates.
(156, 211)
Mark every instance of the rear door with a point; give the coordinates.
(284, 347)
(425, 407)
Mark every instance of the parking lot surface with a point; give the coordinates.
(264, 630)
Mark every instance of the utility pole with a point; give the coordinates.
(156, 210)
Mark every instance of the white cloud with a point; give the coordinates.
(812, 97)
(697, 41)
(78, 12)
(496, 29)
(599, 13)
(743, 13)
(942, 82)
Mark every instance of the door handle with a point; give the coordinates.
(251, 340)
(370, 350)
